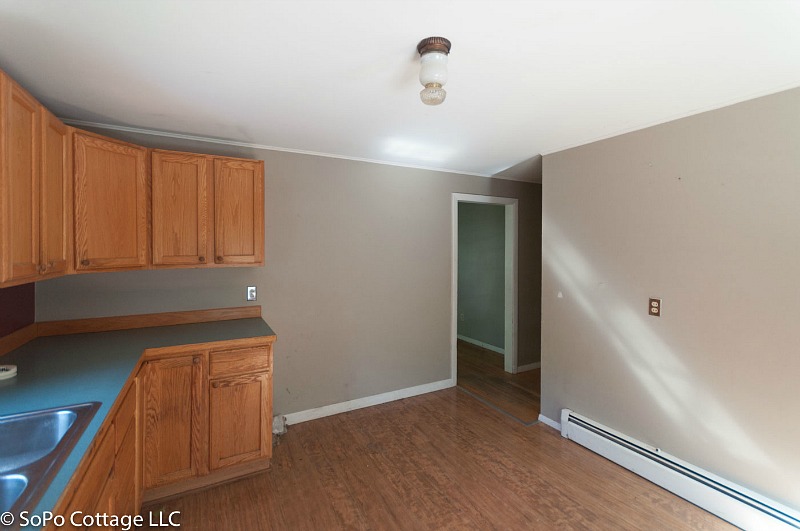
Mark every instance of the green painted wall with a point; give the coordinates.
(481, 272)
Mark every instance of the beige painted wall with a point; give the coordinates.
(703, 212)
(357, 275)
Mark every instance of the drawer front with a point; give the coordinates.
(240, 361)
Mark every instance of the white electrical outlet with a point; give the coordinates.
(251, 293)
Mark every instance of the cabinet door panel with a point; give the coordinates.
(94, 489)
(240, 417)
(110, 204)
(55, 195)
(19, 183)
(239, 211)
(180, 208)
(175, 429)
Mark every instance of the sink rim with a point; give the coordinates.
(40, 473)
(29, 437)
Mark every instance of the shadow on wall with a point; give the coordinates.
(665, 382)
(528, 170)
(529, 297)
(17, 308)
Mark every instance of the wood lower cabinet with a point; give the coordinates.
(240, 405)
(95, 490)
(111, 196)
(128, 487)
(175, 419)
(207, 416)
(19, 184)
(110, 483)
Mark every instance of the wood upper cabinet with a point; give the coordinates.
(111, 187)
(238, 211)
(74, 201)
(175, 419)
(207, 211)
(240, 406)
(180, 196)
(55, 210)
(19, 184)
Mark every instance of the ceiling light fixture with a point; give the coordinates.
(433, 53)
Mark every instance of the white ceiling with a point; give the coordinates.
(340, 77)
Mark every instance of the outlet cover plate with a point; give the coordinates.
(655, 307)
(251, 293)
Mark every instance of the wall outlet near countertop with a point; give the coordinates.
(251, 293)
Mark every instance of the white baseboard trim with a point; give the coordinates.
(550, 422)
(487, 346)
(529, 367)
(367, 401)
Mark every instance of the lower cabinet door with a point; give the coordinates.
(95, 491)
(175, 428)
(240, 419)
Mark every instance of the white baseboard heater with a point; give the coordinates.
(731, 502)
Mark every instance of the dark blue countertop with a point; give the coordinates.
(64, 370)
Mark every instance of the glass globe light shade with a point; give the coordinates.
(433, 74)
(433, 68)
(432, 94)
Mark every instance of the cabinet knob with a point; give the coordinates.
(215, 385)
(42, 269)
(84, 262)
(201, 258)
(196, 360)
(219, 259)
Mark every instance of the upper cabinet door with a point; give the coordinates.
(56, 196)
(238, 211)
(110, 203)
(180, 208)
(19, 184)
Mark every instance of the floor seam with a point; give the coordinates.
(506, 413)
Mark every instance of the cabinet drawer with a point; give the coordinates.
(240, 361)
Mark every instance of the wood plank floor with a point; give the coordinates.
(442, 460)
(481, 371)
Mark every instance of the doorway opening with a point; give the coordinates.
(484, 350)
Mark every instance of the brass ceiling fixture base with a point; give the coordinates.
(434, 44)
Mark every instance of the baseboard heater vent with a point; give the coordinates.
(731, 502)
